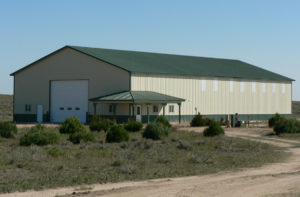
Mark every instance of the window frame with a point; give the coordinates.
(171, 107)
(110, 108)
(155, 109)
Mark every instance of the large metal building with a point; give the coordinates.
(82, 81)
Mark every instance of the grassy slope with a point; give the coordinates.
(23, 168)
(296, 109)
(6, 107)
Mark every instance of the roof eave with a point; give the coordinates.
(29, 65)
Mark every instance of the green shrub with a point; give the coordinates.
(275, 119)
(94, 123)
(82, 135)
(98, 124)
(8, 129)
(162, 120)
(117, 134)
(39, 135)
(155, 131)
(133, 126)
(198, 121)
(54, 152)
(214, 129)
(71, 125)
(287, 126)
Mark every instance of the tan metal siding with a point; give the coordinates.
(221, 101)
(32, 84)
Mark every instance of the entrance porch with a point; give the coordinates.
(142, 106)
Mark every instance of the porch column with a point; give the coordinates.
(148, 110)
(179, 114)
(129, 111)
(164, 108)
(95, 108)
(114, 110)
(133, 109)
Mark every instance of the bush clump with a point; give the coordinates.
(162, 120)
(275, 119)
(214, 129)
(82, 135)
(117, 134)
(155, 131)
(8, 129)
(98, 124)
(39, 135)
(133, 126)
(199, 121)
(71, 125)
(287, 126)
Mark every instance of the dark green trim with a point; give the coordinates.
(217, 117)
(25, 118)
(129, 81)
(30, 118)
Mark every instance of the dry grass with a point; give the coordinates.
(296, 109)
(6, 107)
(290, 136)
(180, 154)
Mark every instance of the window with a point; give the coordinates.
(231, 86)
(171, 108)
(253, 86)
(263, 87)
(274, 87)
(155, 109)
(203, 84)
(215, 85)
(110, 109)
(282, 88)
(27, 108)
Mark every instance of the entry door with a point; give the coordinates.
(138, 113)
(69, 98)
(39, 117)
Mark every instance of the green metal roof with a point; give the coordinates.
(157, 63)
(138, 97)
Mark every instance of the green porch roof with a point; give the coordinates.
(138, 97)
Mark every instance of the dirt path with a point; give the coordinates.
(280, 179)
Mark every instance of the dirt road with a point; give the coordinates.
(280, 179)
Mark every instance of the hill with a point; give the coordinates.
(6, 107)
(296, 109)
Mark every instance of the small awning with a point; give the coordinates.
(137, 97)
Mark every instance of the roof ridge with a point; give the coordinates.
(149, 52)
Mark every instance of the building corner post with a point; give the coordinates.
(164, 109)
(179, 114)
(148, 111)
(114, 110)
(133, 110)
(95, 108)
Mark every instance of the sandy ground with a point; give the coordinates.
(279, 179)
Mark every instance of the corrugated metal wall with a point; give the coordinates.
(219, 95)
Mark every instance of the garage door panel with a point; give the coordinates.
(69, 98)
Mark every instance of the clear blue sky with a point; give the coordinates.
(265, 33)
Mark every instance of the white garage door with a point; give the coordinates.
(69, 98)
